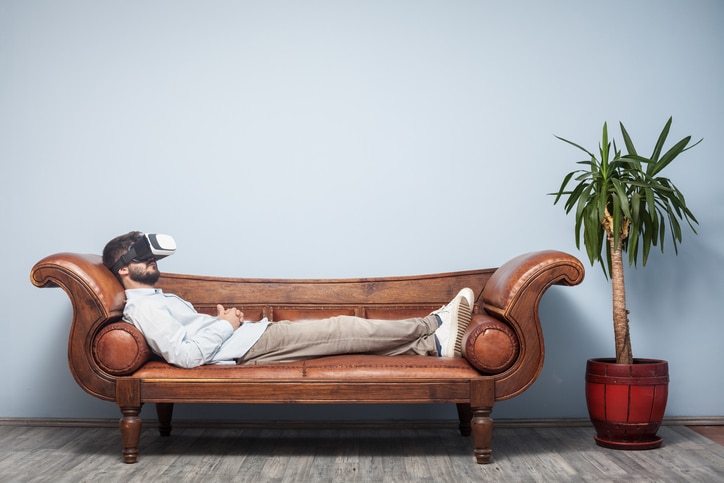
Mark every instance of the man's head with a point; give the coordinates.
(129, 270)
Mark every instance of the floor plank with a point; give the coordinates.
(439, 454)
(714, 433)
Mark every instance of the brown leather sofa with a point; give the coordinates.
(502, 348)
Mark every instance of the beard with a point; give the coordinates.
(147, 276)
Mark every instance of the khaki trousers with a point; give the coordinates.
(286, 341)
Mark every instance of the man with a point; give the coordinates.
(186, 338)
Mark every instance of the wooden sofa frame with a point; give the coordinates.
(503, 346)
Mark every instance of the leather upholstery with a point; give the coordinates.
(345, 367)
(120, 349)
(491, 346)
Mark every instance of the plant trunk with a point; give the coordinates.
(620, 313)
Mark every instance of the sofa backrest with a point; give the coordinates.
(296, 299)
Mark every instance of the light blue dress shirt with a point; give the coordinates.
(183, 337)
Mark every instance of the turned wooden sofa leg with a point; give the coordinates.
(482, 427)
(130, 433)
(164, 411)
(482, 400)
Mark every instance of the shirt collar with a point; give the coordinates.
(143, 291)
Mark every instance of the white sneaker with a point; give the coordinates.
(455, 318)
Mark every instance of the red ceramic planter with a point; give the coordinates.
(626, 402)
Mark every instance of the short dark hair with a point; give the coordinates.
(118, 247)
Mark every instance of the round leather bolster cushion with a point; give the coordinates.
(490, 345)
(120, 349)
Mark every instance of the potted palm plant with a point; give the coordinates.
(622, 204)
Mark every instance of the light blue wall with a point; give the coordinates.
(349, 139)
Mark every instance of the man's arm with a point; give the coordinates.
(184, 345)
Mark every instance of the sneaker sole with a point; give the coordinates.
(461, 313)
(465, 314)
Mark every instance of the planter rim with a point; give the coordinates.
(636, 361)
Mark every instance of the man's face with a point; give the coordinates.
(144, 272)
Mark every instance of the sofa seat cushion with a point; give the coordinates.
(489, 345)
(344, 367)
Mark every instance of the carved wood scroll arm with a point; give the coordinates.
(513, 294)
(97, 298)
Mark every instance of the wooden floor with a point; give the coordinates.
(379, 454)
(714, 433)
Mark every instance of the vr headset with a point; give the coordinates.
(149, 247)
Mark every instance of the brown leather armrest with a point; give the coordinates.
(490, 345)
(120, 349)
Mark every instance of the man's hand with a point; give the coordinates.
(233, 316)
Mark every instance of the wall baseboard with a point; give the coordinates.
(400, 424)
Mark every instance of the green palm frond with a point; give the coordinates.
(629, 188)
